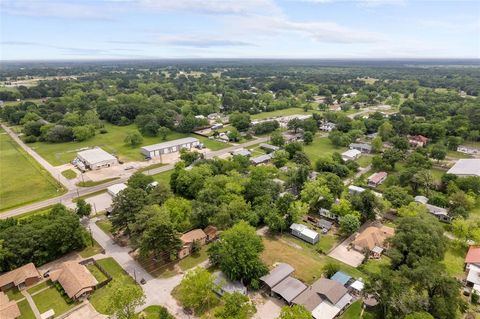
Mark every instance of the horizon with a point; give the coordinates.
(100, 30)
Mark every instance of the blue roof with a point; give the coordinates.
(341, 277)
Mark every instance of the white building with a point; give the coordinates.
(351, 155)
(94, 158)
(115, 189)
(466, 167)
(305, 233)
(157, 150)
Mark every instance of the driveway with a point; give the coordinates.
(348, 256)
(269, 309)
(85, 312)
(99, 202)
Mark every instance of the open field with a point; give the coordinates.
(101, 297)
(52, 299)
(112, 142)
(25, 310)
(285, 112)
(69, 173)
(320, 147)
(302, 256)
(95, 183)
(15, 163)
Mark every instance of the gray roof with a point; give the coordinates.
(241, 151)
(277, 274)
(95, 155)
(261, 159)
(269, 146)
(436, 210)
(361, 145)
(304, 230)
(421, 199)
(323, 223)
(467, 167)
(289, 288)
(321, 289)
(159, 146)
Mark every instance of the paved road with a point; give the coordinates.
(46, 165)
(157, 290)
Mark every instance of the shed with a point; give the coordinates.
(157, 150)
(352, 189)
(324, 224)
(95, 158)
(262, 159)
(242, 152)
(116, 188)
(362, 147)
(305, 233)
(421, 199)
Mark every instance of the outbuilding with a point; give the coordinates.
(466, 167)
(94, 158)
(305, 233)
(115, 189)
(157, 150)
(351, 155)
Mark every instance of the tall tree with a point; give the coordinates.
(125, 299)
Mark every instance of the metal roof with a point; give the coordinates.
(469, 167)
(341, 277)
(351, 153)
(304, 230)
(277, 274)
(261, 159)
(289, 288)
(95, 155)
(160, 146)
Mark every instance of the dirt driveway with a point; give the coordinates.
(267, 307)
(348, 256)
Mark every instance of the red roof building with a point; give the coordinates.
(376, 179)
(418, 140)
(473, 255)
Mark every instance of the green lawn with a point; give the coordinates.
(105, 225)
(193, 260)
(326, 242)
(151, 312)
(52, 299)
(40, 286)
(457, 155)
(163, 177)
(364, 160)
(454, 259)
(374, 266)
(90, 250)
(95, 183)
(321, 147)
(25, 310)
(40, 211)
(113, 142)
(15, 163)
(14, 294)
(353, 311)
(69, 174)
(285, 112)
(100, 298)
(437, 175)
(100, 276)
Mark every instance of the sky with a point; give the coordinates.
(162, 29)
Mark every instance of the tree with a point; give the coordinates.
(438, 152)
(140, 180)
(233, 135)
(349, 224)
(196, 290)
(189, 157)
(417, 238)
(125, 299)
(391, 156)
(293, 148)
(412, 209)
(400, 143)
(159, 194)
(377, 144)
(125, 205)
(308, 137)
(277, 138)
(164, 314)
(241, 121)
(83, 133)
(419, 315)
(83, 208)
(316, 195)
(295, 312)
(163, 132)
(280, 158)
(133, 139)
(398, 196)
(385, 131)
(330, 269)
(238, 253)
(236, 306)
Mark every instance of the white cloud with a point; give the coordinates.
(229, 7)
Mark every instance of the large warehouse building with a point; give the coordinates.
(94, 158)
(466, 167)
(159, 149)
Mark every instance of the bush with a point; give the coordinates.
(30, 139)
(330, 269)
(103, 131)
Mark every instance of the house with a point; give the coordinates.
(466, 167)
(269, 148)
(468, 150)
(352, 189)
(262, 159)
(351, 155)
(211, 232)
(225, 285)
(328, 126)
(21, 277)
(113, 190)
(277, 274)
(472, 266)
(341, 277)
(376, 179)
(188, 239)
(325, 299)
(8, 308)
(473, 256)
(94, 159)
(439, 212)
(418, 140)
(242, 152)
(75, 279)
(371, 238)
(157, 150)
(421, 199)
(362, 147)
(304, 233)
(327, 214)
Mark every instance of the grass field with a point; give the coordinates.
(52, 299)
(112, 142)
(285, 112)
(25, 310)
(40, 286)
(15, 191)
(151, 312)
(321, 147)
(100, 276)
(353, 311)
(326, 242)
(40, 211)
(69, 173)
(454, 259)
(90, 250)
(163, 177)
(101, 297)
(364, 160)
(95, 183)
(307, 262)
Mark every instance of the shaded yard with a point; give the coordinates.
(14, 294)
(90, 250)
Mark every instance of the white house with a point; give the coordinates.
(305, 233)
(351, 155)
(115, 189)
(157, 150)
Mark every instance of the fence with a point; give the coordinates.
(91, 261)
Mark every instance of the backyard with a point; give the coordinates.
(15, 162)
(321, 147)
(52, 299)
(112, 142)
(25, 310)
(101, 297)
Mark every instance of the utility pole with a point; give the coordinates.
(91, 236)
